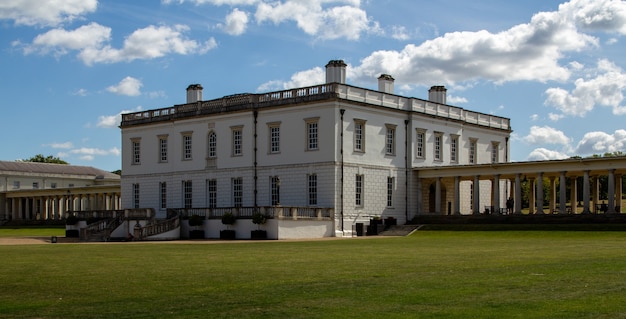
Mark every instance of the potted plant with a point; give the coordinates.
(70, 228)
(228, 219)
(258, 219)
(196, 222)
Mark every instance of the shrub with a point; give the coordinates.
(195, 220)
(259, 219)
(228, 218)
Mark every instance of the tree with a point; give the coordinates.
(39, 158)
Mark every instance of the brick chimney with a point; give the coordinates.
(437, 94)
(194, 93)
(336, 71)
(385, 83)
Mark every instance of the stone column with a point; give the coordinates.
(562, 193)
(476, 203)
(531, 196)
(552, 206)
(496, 194)
(457, 195)
(539, 192)
(438, 196)
(596, 194)
(586, 193)
(573, 194)
(517, 200)
(420, 200)
(611, 192)
(618, 193)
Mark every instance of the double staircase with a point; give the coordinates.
(107, 224)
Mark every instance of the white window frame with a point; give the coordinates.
(472, 152)
(135, 144)
(163, 195)
(212, 145)
(312, 189)
(274, 137)
(187, 143)
(274, 190)
(312, 134)
(136, 194)
(358, 190)
(454, 148)
(438, 147)
(162, 148)
(359, 135)
(390, 139)
(495, 152)
(390, 186)
(237, 140)
(211, 185)
(420, 143)
(188, 194)
(237, 191)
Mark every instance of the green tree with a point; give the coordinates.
(39, 158)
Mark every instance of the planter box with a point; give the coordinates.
(258, 234)
(72, 233)
(227, 234)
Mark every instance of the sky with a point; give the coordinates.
(69, 68)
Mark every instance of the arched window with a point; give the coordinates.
(212, 145)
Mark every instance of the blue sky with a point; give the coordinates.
(69, 68)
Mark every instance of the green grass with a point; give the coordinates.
(431, 274)
(32, 231)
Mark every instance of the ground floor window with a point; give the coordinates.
(187, 194)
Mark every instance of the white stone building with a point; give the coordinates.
(333, 151)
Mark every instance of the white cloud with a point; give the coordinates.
(601, 142)
(555, 117)
(80, 92)
(65, 145)
(236, 22)
(335, 22)
(128, 86)
(301, 79)
(113, 121)
(91, 42)
(546, 135)
(400, 33)
(455, 100)
(45, 13)
(525, 52)
(87, 151)
(534, 117)
(604, 89)
(542, 154)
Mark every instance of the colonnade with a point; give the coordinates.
(52, 207)
(559, 175)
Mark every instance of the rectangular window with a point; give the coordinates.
(163, 194)
(212, 145)
(237, 141)
(359, 135)
(494, 152)
(16, 184)
(136, 144)
(390, 140)
(312, 181)
(35, 185)
(187, 151)
(187, 194)
(212, 193)
(472, 151)
(358, 190)
(454, 143)
(312, 134)
(275, 190)
(419, 144)
(390, 183)
(274, 138)
(237, 192)
(136, 195)
(162, 149)
(53, 185)
(438, 146)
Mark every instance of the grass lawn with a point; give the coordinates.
(431, 274)
(33, 231)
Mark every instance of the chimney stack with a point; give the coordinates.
(194, 93)
(437, 94)
(385, 83)
(336, 71)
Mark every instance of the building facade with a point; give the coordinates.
(43, 191)
(352, 151)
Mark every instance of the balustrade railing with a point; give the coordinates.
(160, 227)
(291, 212)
